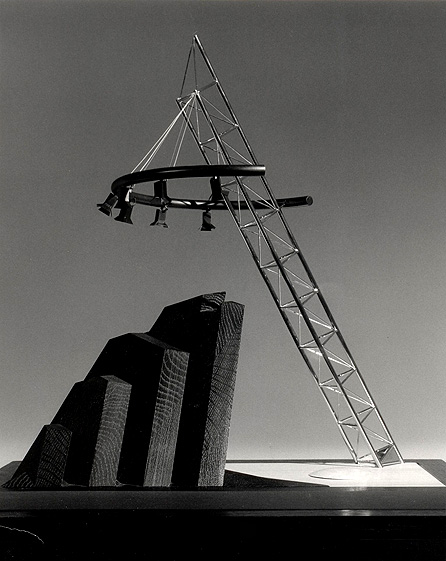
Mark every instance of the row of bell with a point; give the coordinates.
(125, 213)
(160, 192)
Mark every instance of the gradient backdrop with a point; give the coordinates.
(342, 101)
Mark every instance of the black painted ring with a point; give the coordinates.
(185, 171)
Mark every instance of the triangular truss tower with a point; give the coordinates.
(262, 224)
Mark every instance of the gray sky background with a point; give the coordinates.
(341, 101)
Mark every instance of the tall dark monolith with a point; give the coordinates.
(95, 412)
(156, 373)
(209, 329)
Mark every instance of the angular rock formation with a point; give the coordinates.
(154, 410)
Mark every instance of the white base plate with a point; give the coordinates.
(340, 474)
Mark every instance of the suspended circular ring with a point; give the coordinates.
(178, 172)
(124, 197)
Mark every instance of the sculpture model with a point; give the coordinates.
(206, 113)
(154, 410)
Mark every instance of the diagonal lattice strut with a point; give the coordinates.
(272, 245)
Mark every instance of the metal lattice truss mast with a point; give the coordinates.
(284, 269)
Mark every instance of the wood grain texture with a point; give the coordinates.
(20, 481)
(166, 419)
(201, 327)
(211, 302)
(145, 409)
(192, 326)
(44, 465)
(136, 359)
(215, 444)
(54, 455)
(111, 431)
(81, 413)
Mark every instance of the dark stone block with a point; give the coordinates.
(81, 413)
(166, 419)
(156, 372)
(44, 464)
(107, 453)
(212, 466)
(209, 330)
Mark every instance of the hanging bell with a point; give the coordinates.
(125, 214)
(107, 206)
(160, 218)
(206, 225)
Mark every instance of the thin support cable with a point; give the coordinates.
(145, 161)
(224, 118)
(197, 120)
(179, 143)
(242, 158)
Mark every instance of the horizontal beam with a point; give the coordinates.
(150, 200)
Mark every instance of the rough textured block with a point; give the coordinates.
(44, 464)
(104, 470)
(209, 330)
(154, 410)
(156, 372)
(212, 467)
(166, 419)
(81, 413)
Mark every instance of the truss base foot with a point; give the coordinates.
(359, 473)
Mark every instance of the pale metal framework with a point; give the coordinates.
(262, 224)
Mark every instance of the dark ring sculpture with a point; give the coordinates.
(123, 196)
(178, 172)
